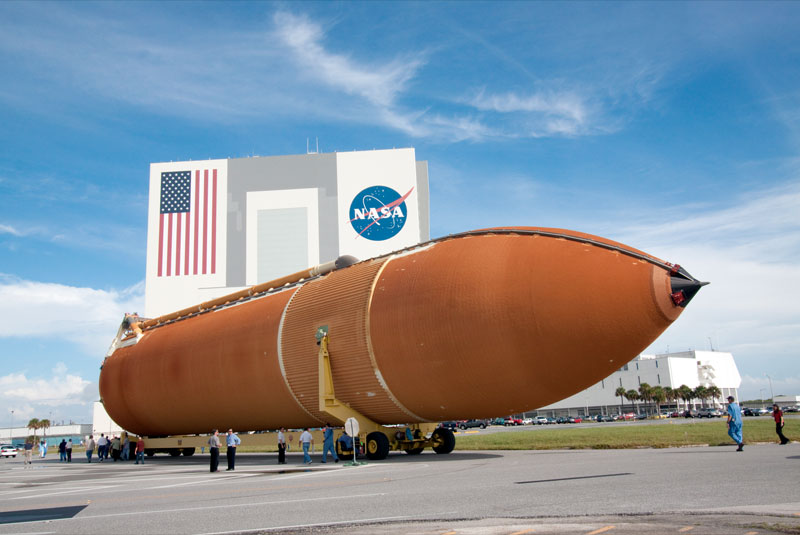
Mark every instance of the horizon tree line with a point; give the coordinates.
(656, 395)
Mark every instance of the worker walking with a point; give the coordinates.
(327, 444)
(735, 423)
(213, 446)
(281, 447)
(232, 441)
(306, 440)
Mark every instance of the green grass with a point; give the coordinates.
(632, 435)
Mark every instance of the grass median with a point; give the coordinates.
(632, 435)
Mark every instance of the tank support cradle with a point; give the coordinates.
(379, 439)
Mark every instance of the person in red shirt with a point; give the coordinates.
(140, 451)
(777, 413)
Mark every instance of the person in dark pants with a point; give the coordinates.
(777, 413)
(281, 447)
(232, 442)
(213, 446)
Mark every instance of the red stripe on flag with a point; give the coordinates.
(186, 258)
(169, 246)
(214, 225)
(178, 237)
(196, 210)
(205, 219)
(160, 242)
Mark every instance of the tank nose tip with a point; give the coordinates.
(684, 286)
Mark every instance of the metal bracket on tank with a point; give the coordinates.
(328, 403)
(414, 439)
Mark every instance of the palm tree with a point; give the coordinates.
(714, 392)
(34, 424)
(670, 394)
(620, 393)
(632, 396)
(701, 393)
(658, 396)
(685, 394)
(645, 394)
(44, 424)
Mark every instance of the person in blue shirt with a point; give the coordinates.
(327, 443)
(232, 441)
(735, 422)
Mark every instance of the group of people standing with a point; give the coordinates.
(116, 447)
(306, 442)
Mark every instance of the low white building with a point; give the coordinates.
(690, 368)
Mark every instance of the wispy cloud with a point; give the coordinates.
(8, 229)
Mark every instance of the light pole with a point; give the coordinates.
(771, 394)
(761, 390)
(11, 430)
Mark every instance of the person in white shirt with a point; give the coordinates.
(306, 440)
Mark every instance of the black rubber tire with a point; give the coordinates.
(377, 446)
(149, 453)
(462, 427)
(416, 451)
(174, 452)
(443, 440)
(187, 452)
(345, 456)
(483, 426)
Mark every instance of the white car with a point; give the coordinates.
(7, 450)
(541, 420)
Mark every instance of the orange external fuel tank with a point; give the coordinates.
(474, 325)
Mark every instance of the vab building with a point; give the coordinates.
(217, 226)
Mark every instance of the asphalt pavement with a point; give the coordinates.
(706, 490)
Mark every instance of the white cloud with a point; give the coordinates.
(61, 396)
(7, 229)
(84, 316)
(750, 252)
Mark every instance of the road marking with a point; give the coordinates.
(450, 533)
(203, 480)
(71, 491)
(522, 532)
(205, 508)
(601, 530)
(684, 530)
(751, 533)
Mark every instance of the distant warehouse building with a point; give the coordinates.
(690, 368)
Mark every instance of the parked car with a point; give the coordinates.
(527, 421)
(709, 412)
(605, 418)
(541, 420)
(574, 420)
(510, 420)
(468, 424)
(498, 421)
(629, 416)
(690, 413)
(449, 425)
(748, 411)
(562, 420)
(7, 450)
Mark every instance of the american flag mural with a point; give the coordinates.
(187, 237)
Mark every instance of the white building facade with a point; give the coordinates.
(218, 226)
(690, 368)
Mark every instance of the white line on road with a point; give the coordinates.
(71, 491)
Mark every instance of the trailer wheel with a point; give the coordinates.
(377, 446)
(443, 440)
(415, 451)
(149, 453)
(174, 452)
(345, 455)
(187, 452)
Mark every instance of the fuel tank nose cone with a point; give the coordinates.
(684, 286)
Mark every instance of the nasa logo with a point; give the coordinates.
(379, 212)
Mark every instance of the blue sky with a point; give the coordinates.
(672, 127)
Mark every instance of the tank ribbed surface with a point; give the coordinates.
(340, 301)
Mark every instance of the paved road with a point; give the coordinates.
(677, 490)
